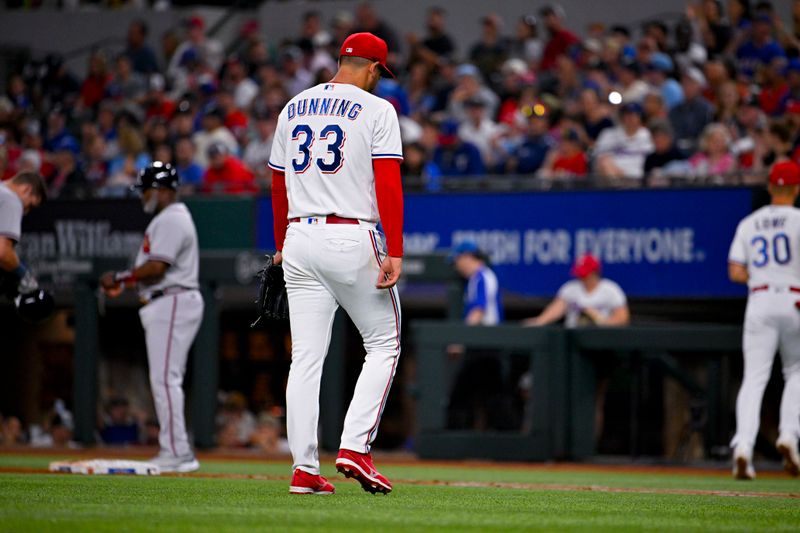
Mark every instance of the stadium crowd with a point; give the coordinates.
(712, 98)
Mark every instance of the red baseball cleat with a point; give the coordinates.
(305, 483)
(359, 467)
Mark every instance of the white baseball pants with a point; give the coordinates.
(170, 325)
(772, 323)
(327, 265)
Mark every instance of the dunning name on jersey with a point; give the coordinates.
(323, 107)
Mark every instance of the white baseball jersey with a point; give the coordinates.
(767, 242)
(11, 211)
(325, 141)
(605, 298)
(172, 238)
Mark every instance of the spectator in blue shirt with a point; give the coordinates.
(483, 392)
(658, 72)
(141, 55)
(482, 303)
(760, 49)
(528, 156)
(454, 157)
(189, 172)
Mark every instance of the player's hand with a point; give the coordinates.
(593, 315)
(390, 272)
(277, 259)
(110, 286)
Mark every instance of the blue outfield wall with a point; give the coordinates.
(654, 243)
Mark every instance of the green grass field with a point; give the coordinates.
(426, 498)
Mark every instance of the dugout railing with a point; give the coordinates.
(561, 404)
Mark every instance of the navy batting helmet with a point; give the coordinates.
(157, 175)
(35, 306)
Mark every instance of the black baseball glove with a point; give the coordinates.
(271, 301)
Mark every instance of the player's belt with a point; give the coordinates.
(175, 289)
(327, 219)
(760, 288)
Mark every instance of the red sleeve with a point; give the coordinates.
(280, 208)
(389, 192)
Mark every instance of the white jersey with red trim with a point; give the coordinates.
(767, 242)
(325, 141)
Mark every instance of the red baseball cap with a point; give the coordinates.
(585, 265)
(785, 173)
(368, 46)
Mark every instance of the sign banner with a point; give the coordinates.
(62, 238)
(654, 243)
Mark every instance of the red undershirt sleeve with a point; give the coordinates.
(389, 192)
(280, 208)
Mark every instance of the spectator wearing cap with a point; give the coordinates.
(190, 174)
(773, 86)
(67, 180)
(256, 153)
(492, 50)
(526, 44)
(56, 128)
(469, 85)
(454, 157)
(792, 73)
(142, 56)
(480, 130)
(621, 150)
(595, 114)
(482, 302)
(658, 76)
(126, 83)
(214, 131)
(226, 173)
(119, 427)
(197, 46)
(630, 84)
(480, 394)
(691, 116)
(665, 160)
(568, 160)
(588, 300)
(559, 39)
(760, 49)
(715, 158)
(529, 154)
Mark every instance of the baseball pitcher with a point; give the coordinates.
(336, 173)
(765, 254)
(166, 275)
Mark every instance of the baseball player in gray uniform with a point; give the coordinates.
(166, 275)
(18, 196)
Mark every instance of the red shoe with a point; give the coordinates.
(305, 483)
(359, 466)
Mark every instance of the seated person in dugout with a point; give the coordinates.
(589, 300)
